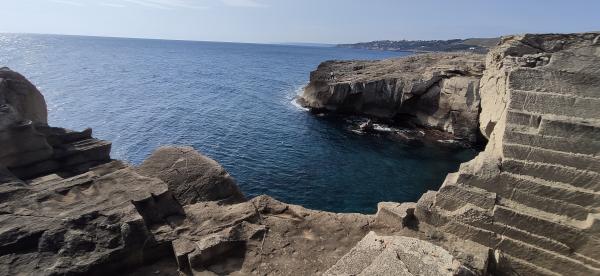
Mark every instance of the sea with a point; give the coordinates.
(233, 102)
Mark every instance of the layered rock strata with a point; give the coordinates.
(533, 195)
(66, 208)
(527, 205)
(433, 90)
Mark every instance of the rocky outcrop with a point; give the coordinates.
(432, 90)
(529, 204)
(30, 147)
(191, 176)
(532, 195)
(22, 96)
(69, 209)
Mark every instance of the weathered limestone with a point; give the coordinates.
(434, 90)
(54, 225)
(531, 200)
(67, 209)
(395, 214)
(532, 195)
(396, 255)
(31, 148)
(191, 176)
(16, 91)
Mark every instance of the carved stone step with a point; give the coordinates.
(586, 180)
(546, 259)
(555, 104)
(505, 183)
(566, 127)
(554, 81)
(545, 156)
(571, 145)
(452, 197)
(542, 224)
(548, 205)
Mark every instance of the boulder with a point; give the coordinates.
(191, 176)
(23, 96)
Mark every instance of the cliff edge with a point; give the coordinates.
(440, 91)
(532, 195)
(67, 208)
(529, 204)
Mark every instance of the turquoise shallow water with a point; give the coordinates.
(232, 102)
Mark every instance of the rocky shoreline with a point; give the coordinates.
(438, 91)
(527, 205)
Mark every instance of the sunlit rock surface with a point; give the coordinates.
(432, 90)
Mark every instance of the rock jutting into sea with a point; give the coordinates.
(529, 204)
(439, 91)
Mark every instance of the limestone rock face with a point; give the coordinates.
(92, 223)
(434, 90)
(30, 147)
(191, 176)
(532, 195)
(531, 199)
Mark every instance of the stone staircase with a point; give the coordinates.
(540, 208)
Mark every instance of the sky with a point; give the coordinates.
(279, 21)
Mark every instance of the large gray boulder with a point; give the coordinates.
(17, 92)
(191, 176)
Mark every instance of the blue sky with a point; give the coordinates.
(325, 21)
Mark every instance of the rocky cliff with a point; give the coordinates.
(67, 208)
(432, 90)
(532, 195)
(529, 204)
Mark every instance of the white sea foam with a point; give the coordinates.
(383, 128)
(297, 105)
(297, 92)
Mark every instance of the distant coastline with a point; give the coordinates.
(476, 45)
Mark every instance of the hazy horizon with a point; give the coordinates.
(289, 22)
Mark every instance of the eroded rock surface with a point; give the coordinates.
(66, 208)
(530, 200)
(191, 176)
(396, 255)
(532, 195)
(432, 90)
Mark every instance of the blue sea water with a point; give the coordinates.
(232, 102)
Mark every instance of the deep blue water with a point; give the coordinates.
(231, 102)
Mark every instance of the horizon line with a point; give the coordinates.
(173, 39)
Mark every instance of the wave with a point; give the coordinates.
(297, 92)
(383, 128)
(297, 105)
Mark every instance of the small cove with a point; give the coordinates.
(231, 102)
